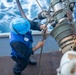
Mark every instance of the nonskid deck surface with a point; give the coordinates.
(49, 64)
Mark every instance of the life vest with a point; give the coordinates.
(26, 39)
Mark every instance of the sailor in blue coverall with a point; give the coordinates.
(21, 42)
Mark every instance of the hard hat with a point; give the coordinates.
(20, 25)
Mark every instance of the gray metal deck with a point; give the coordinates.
(49, 64)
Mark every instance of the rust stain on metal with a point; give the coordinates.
(71, 56)
(73, 70)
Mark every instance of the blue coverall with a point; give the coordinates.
(21, 46)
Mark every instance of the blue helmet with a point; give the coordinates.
(20, 25)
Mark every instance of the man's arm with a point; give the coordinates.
(35, 25)
(39, 45)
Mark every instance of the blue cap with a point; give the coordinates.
(20, 25)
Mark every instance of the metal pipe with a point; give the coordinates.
(64, 34)
(64, 29)
(67, 64)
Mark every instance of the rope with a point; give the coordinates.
(40, 61)
(44, 34)
(21, 10)
(39, 5)
(44, 37)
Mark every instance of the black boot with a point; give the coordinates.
(17, 73)
(32, 62)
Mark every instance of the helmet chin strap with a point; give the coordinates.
(16, 31)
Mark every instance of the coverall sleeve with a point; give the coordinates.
(35, 25)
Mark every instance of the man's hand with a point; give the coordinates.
(39, 45)
(43, 27)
